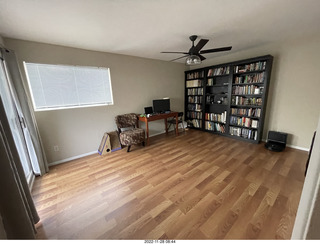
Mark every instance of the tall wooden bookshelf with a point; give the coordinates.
(194, 98)
(229, 99)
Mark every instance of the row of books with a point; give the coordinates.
(244, 121)
(196, 123)
(210, 82)
(194, 115)
(194, 83)
(250, 67)
(243, 132)
(253, 101)
(194, 107)
(217, 117)
(219, 71)
(194, 99)
(213, 126)
(248, 89)
(195, 75)
(251, 112)
(256, 78)
(195, 91)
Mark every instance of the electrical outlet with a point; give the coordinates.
(56, 148)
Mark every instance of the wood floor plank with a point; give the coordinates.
(214, 229)
(187, 222)
(276, 221)
(193, 186)
(164, 225)
(239, 228)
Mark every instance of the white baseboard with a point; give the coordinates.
(163, 132)
(90, 153)
(300, 148)
(292, 146)
(156, 134)
(31, 181)
(72, 158)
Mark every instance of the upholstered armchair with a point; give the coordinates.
(129, 133)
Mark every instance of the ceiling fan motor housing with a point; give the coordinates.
(197, 50)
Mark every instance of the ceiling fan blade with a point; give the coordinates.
(176, 52)
(220, 49)
(201, 57)
(179, 58)
(200, 45)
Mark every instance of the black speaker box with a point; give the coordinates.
(276, 141)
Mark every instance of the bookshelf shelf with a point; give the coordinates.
(247, 95)
(212, 76)
(237, 91)
(250, 117)
(216, 121)
(245, 106)
(249, 72)
(195, 79)
(241, 126)
(216, 104)
(218, 85)
(217, 93)
(244, 84)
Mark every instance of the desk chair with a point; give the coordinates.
(129, 133)
(172, 121)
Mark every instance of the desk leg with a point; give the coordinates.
(177, 129)
(166, 125)
(147, 129)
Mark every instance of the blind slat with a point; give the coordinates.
(62, 86)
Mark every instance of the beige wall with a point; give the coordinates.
(1, 42)
(292, 105)
(294, 94)
(135, 83)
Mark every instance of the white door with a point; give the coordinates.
(15, 122)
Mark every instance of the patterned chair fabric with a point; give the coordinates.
(131, 137)
(126, 120)
(129, 134)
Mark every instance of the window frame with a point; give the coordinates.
(72, 106)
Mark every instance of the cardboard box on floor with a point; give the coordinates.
(109, 143)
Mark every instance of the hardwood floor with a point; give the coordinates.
(193, 186)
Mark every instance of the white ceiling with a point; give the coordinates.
(144, 28)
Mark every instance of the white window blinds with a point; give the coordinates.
(62, 86)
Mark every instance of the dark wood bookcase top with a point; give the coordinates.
(229, 99)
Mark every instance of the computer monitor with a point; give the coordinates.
(148, 110)
(161, 105)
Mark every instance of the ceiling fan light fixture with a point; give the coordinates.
(193, 60)
(194, 55)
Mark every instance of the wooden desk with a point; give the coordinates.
(158, 117)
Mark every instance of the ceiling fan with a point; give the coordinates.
(194, 55)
